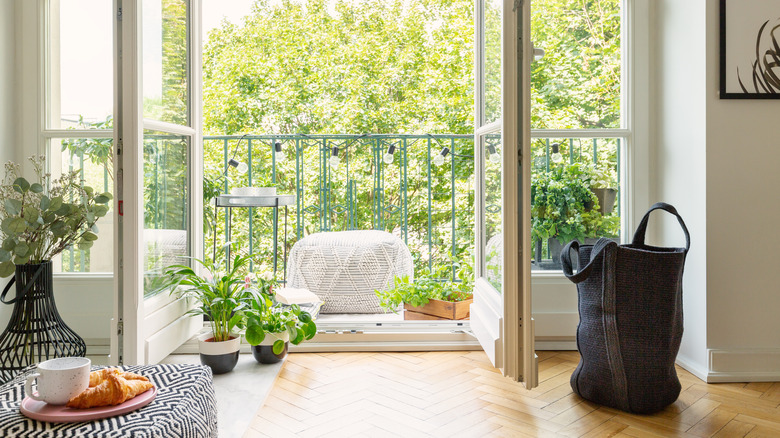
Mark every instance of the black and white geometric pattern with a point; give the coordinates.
(185, 406)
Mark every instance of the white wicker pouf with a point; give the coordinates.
(345, 267)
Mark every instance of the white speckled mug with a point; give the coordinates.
(59, 379)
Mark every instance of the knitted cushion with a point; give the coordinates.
(344, 268)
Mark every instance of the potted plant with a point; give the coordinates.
(427, 298)
(270, 328)
(602, 184)
(562, 209)
(39, 219)
(222, 297)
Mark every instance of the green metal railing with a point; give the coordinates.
(430, 207)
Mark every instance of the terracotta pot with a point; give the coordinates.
(221, 357)
(264, 352)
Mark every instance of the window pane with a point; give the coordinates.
(165, 61)
(81, 64)
(577, 83)
(492, 61)
(574, 195)
(166, 205)
(92, 157)
(494, 236)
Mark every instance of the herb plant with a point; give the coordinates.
(419, 292)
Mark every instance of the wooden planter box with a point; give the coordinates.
(437, 309)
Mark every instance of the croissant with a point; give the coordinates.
(96, 377)
(114, 390)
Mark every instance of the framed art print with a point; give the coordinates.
(750, 49)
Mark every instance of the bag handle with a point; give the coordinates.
(583, 273)
(24, 291)
(639, 235)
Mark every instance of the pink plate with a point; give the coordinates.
(38, 410)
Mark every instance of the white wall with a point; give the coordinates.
(679, 166)
(8, 122)
(715, 160)
(743, 210)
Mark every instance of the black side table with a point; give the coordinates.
(274, 201)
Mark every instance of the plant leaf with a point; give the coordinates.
(17, 225)
(45, 202)
(9, 244)
(89, 236)
(36, 188)
(4, 256)
(254, 334)
(13, 207)
(55, 204)
(22, 249)
(7, 269)
(21, 185)
(278, 346)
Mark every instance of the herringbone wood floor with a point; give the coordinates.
(459, 394)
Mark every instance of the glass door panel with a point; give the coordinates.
(166, 236)
(493, 196)
(166, 59)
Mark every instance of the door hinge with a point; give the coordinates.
(119, 14)
(119, 146)
(120, 327)
(518, 4)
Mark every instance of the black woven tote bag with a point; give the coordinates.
(631, 320)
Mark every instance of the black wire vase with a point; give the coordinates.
(36, 331)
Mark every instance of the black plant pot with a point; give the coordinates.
(220, 363)
(221, 357)
(264, 353)
(35, 332)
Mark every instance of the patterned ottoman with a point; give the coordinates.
(345, 267)
(185, 406)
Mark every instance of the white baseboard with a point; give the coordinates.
(692, 367)
(743, 365)
(556, 324)
(546, 345)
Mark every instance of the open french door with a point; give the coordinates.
(501, 312)
(158, 157)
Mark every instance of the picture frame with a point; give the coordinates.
(750, 49)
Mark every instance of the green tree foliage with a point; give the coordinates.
(397, 66)
(577, 83)
(373, 66)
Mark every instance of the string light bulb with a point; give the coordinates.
(388, 156)
(280, 155)
(240, 167)
(334, 158)
(556, 156)
(439, 159)
(493, 155)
